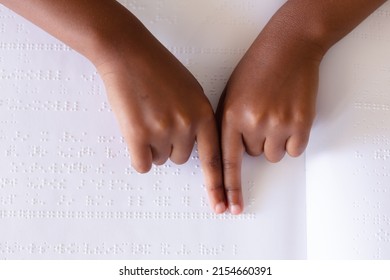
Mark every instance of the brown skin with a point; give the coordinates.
(160, 106)
(268, 105)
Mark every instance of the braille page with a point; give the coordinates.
(348, 160)
(67, 190)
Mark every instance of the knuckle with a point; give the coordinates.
(296, 149)
(279, 121)
(255, 120)
(178, 161)
(253, 147)
(295, 152)
(160, 160)
(184, 122)
(141, 167)
(275, 150)
(181, 159)
(254, 152)
(231, 190)
(274, 157)
(215, 188)
(230, 115)
(229, 164)
(297, 143)
(213, 162)
(303, 119)
(162, 126)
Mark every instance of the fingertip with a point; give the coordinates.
(142, 168)
(234, 198)
(217, 198)
(235, 209)
(140, 156)
(220, 208)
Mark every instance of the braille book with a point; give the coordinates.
(67, 190)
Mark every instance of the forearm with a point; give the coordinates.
(96, 28)
(315, 26)
(331, 20)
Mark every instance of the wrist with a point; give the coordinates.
(299, 28)
(286, 40)
(118, 41)
(321, 24)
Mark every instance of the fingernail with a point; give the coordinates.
(220, 208)
(235, 209)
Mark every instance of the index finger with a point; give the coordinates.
(232, 153)
(210, 158)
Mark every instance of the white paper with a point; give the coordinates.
(66, 188)
(348, 159)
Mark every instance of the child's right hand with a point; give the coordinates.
(269, 102)
(268, 105)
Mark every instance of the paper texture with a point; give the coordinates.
(348, 159)
(66, 188)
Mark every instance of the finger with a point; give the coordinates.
(141, 156)
(210, 158)
(232, 152)
(220, 106)
(181, 151)
(297, 143)
(275, 147)
(161, 152)
(254, 146)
